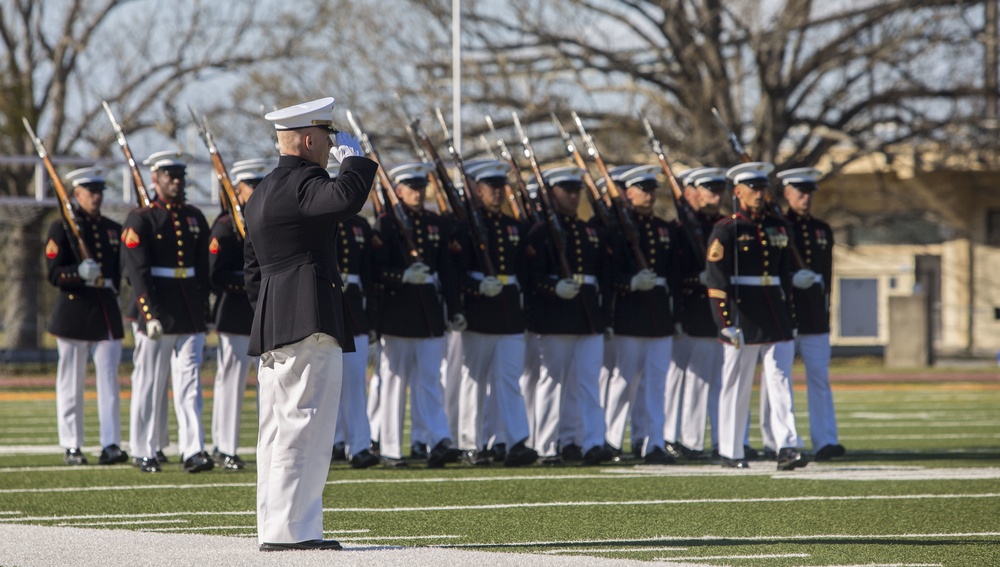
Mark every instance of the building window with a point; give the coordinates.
(993, 227)
(858, 307)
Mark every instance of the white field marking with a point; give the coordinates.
(611, 550)
(199, 528)
(728, 539)
(912, 424)
(30, 447)
(869, 474)
(894, 565)
(663, 502)
(893, 416)
(394, 538)
(123, 516)
(717, 557)
(920, 436)
(118, 488)
(129, 523)
(335, 532)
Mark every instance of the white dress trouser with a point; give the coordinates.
(493, 365)
(451, 376)
(703, 369)
(227, 396)
(529, 381)
(374, 409)
(738, 366)
(70, 374)
(815, 353)
(636, 387)
(567, 391)
(299, 398)
(352, 419)
(673, 402)
(413, 363)
(180, 358)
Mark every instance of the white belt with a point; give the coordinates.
(585, 279)
(351, 279)
(755, 280)
(237, 272)
(506, 279)
(106, 284)
(662, 282)
(176, 273)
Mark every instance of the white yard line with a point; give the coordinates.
(719, 557)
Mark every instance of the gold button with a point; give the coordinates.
(179, 233)
(180, 253)
(763, 243)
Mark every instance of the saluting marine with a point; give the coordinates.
(86, 319)
(749, 279)
(165, 258)
(643, 321)
(412, 319)
(233, 317)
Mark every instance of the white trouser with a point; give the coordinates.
(230, 384)
(374, 408)
(607, 369)
(451, 377)
(738, 368)
(179, 357)
(413, 362)
(352, 420)
(674, 390)
(529, 381)
(703, 369)
(636, 387)
(815, 353)
(570, 369)
(299, 398)
(72, 370)
(494, 363)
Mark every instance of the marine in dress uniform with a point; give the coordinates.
(701, 364)
(165, 258)
(86, 319)
(357, 271)
(569, 317)
(299, 328)
(814, 240)
(643, 321)
(233, 317)
(493, 343)
(749, 279)
(412, 319)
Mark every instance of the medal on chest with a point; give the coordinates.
(433, 232)
(512, 235)
(359, 236)
(821, 239)
(592, 236)
(776, 236)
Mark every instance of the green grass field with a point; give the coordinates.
(920, 486)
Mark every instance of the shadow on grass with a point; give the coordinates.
(903, 456)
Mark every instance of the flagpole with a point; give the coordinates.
(456, 73)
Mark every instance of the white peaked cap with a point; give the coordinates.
(559, 175)
(317, 113)
(85, 175)
(751, 170)
(167, 158)
(706, 175)
(799, 175)
(638, 174)
(251, 169)
(486, 169)
(418, 170)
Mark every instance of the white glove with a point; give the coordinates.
(567, 288)
(609, 333)
(795, 333)
(154, 329)
(417, 273)
(490, 286)
(678, 328)
(734, 334)
(89, 270)
(458, 323)
(347, 146)
(804, 279)
(703, 278)
(643, 280)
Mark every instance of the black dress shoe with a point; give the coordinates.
(338, 452)
(696, 455)
(828, 452)
(616, 454)
(789, 459)
(198, 462)
(112, 454)
(324, 544)
(147, 464)
(554, 461)
(596, 455)
(728, 463)
(499, 452)
(75, 457)
(231, 462)
(658, 457)
(391, 463)
(571, 452)
(674, 450)
(750, 454)
(376, 447)
(161, 457)
(442, 454)
(520, 455)
(363, 460)
(476, 458)
(418, 451)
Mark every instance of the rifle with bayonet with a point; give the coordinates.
(142, 195)
(395, 209)
(532, 208)
(685, 214)
(597, 201)
(439, 194)
(455, 196)
(65, 208)
(227, 194)
(512, 200)
(479, 233)
(770, 198)
(617, 200)
(556, 232)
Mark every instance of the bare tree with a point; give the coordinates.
(148, 60)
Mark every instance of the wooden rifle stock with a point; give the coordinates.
(227, 193)
(141, 193)
(617, 201)
(65, 208)
(685, 214)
